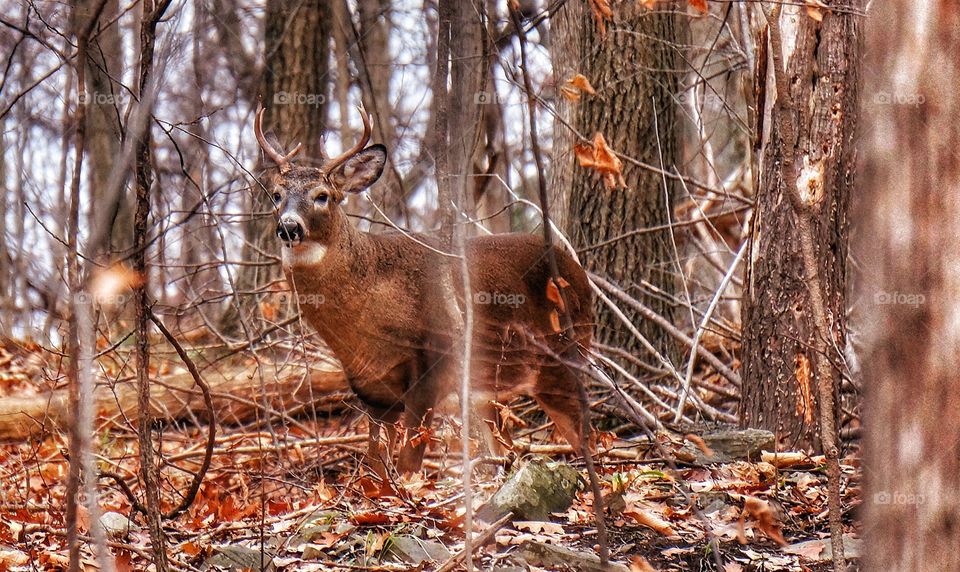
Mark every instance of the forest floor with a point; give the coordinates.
(300, 498)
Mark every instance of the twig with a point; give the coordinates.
(478, 542)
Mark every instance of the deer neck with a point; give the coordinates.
(326, 266)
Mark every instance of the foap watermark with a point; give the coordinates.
(302, 299)
(887, 98)
(487, 97)
(898, 498)
(498, 299)
(296, 98)
(102, 98)
(899, 298)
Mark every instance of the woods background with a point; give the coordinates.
(701, 161)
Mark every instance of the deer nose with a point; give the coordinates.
(290, 230)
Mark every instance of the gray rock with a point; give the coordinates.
(550, 556)
(533, 491)
(413, 550)
(116, 524)
(852, 548)
(236, 557)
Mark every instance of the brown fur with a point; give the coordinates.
(373, 299)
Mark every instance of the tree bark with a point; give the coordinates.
(908, 223)
(779, 336)
(633, 70)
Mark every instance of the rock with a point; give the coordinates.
(550, 556)
(415, 551)
(235, 557)
(820, 550)
(730, 445)
(533, 491)
(116, 524)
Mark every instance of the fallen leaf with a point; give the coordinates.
(640, 564)
(700, 443)
(650, 520)
(766, 517)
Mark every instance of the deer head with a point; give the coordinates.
(307, 199)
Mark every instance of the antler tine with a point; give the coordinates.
(282, 161)
(360, 144)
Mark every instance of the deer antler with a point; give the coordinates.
(364, 139)
(282, 161)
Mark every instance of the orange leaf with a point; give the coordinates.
(553, 294)
(601, 13)
(640, 564)
(569, 93)
(649, 4)
(372, 518)
(581, 83)
(600, 157)
(699, 5)
(805, 391)
(555, 321)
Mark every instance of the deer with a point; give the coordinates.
(375, 300)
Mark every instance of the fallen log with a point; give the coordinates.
(242, 391)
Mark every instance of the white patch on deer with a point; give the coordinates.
(303, 254)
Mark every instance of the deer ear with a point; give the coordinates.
(360, 171)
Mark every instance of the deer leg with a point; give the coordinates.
(557, 393)
(418, 402)
(378, 452)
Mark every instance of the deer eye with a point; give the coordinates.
(322, 198)
(276, 197)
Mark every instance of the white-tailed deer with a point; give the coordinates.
(374, 299)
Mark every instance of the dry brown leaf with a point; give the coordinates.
(815, 9)
(650, 520)
(601, 158)
(555, 321)
(766, 517)
(569, 93)
(554, 295)
(731, 566)
(699, 5)
(601, 13)
(649, 4)
(581, 83)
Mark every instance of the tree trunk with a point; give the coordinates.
(108, 101)
(295, 91)
(779, 387)
(911, 220)
(633, 69)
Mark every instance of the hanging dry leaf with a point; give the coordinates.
(601, 158)
(553, 294)
(555, 321)
(815, 9)
(805, 391)
(581, 83)
(699, 5)
(601, 13)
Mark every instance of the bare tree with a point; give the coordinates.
(780, 339)
(631, 62)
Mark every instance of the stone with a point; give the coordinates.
(533, 491)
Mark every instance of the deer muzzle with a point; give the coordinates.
(290, 229)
